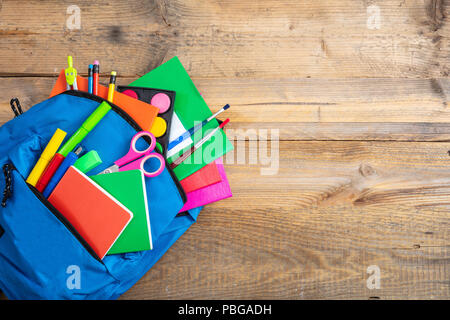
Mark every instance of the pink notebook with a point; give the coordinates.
(209, 194)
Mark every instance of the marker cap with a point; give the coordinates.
(53, 144)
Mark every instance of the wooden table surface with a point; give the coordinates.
(358, 91)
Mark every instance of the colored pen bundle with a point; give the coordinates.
(179, 131)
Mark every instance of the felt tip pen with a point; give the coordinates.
(75, 139)
(46, 156)
(194, 129)
(68, 161)
(112, 85)
(95, 75)
(85, 128)
(49, 172)
(90, 79)
(186, 154)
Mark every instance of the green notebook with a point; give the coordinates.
(189, 107)
(128, 187)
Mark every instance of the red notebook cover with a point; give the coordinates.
(95, 214)
(206, 176)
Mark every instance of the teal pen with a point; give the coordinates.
(90, 78)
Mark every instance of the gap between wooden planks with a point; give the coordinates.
(304, 109)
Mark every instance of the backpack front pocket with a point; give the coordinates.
(40, 250)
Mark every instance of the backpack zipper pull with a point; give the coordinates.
(7, 192)
(16, 107)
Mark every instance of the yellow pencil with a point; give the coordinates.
(112, 85)
(46, 156)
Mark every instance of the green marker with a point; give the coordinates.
(85, 128)
(88, 162)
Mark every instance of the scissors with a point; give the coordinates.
(129, 162)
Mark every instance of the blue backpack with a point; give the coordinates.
(41, 255)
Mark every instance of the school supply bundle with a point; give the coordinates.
(101, 194)
(190, 109)
(93, 212)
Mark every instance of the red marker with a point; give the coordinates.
(95, 71)
(49, 171)
(185, 155)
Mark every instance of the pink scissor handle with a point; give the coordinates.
(139, 164)
(133, 153)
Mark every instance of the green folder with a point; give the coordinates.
(189, 107)
(128, 187)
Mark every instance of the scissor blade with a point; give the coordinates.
(113, 168)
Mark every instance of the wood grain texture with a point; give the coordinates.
(312, 230)
(304, 109)
(362, 117)
(229, 39)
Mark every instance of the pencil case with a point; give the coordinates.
(42, 254)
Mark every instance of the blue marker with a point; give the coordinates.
(68, 161)
(90, 78)
(192, 130)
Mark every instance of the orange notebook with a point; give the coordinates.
(94, 213)
(143, 113)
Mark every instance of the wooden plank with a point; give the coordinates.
(303, 109)
(316, 71)
(340, 207)
(217, 39)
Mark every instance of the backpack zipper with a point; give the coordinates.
(7, 192)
